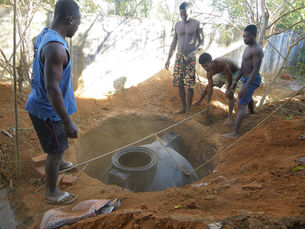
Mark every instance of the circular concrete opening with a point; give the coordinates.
(122, 129)
(134, 159)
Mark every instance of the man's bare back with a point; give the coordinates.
(223, 64)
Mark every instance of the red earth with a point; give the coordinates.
(252, 185)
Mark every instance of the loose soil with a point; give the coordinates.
(249, 185)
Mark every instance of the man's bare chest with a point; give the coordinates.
(185, 29)
(247, 55)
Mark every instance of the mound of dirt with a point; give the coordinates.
(250, 185)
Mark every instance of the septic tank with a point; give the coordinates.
(151, 167)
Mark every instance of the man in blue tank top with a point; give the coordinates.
(51, 101)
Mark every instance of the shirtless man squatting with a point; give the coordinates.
(218, 71)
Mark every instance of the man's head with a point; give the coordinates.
(249, 35)
(185, 11)
(206, 61)
(67, 13)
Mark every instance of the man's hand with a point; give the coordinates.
(227, 93)
(208, 107)
(70, 129)
(242, 93)
(189, 56)
(167, 64)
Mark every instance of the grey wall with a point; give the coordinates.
(107, 48)
(272, 60)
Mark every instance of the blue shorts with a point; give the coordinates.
(51, 135)
(251, 88)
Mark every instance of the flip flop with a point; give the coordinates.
(301, 137)
(227, 123)
(64, 199)
(68, 164)
(232, 137)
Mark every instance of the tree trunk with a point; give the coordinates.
(294, 43)
(265, 15)
(272, 82)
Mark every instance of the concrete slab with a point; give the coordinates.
(40, 160)
(7, 217)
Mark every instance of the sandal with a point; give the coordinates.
(227, 122)
(68, 164)
(64, 199)
(301, 137)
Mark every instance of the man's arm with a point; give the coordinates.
(234, 83)
(172, 48)
(229, 74)
(209, 88)
(257, 57)
(55, 57)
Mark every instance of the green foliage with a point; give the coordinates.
(301, 63)
(86, 6)
(49, 2)
(227, 34)
(5, 2)
(298, 168)
(293, 17)
(169, 9)
(132, 8)
(235, 9)
(242, 13)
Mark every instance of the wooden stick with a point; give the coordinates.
(15, 93)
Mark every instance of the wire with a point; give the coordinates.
(176, 124)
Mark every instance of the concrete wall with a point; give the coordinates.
(272, 60)
(108, 48)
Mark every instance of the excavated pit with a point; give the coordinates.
(119, 130)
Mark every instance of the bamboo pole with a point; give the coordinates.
(15, 93)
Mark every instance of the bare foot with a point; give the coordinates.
(182, 111)
(231, 135)
(196, 103)
(227, 122)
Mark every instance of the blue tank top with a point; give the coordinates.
(38, 102)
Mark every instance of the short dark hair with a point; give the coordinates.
(251, 29)
(184, 6)
(65, 8)
(204, 58)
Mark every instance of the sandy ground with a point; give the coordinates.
(250, 185)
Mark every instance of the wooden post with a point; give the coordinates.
(71, 50)
(15, 93)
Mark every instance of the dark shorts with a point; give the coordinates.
(184, 71)
(250, 90)
(51, 135)
(221, 78)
